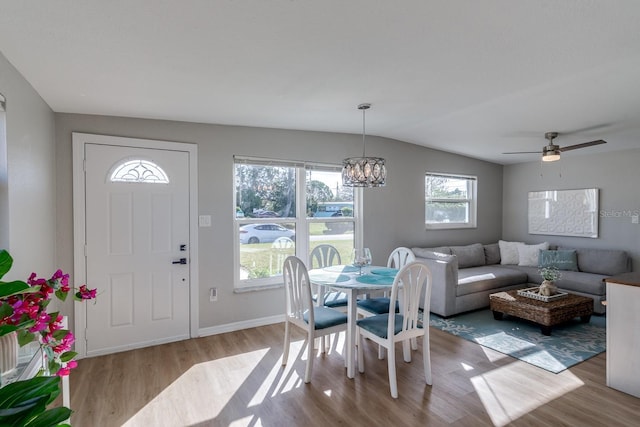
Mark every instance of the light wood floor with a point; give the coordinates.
(236, 379)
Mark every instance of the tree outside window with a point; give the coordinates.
(450, 201)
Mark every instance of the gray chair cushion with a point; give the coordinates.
(469, 256)
(377, 305)
(377, 325)
(326, 317)
(336, 299)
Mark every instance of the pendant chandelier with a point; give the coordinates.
(363, 171)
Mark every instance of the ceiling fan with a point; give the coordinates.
(551, 152)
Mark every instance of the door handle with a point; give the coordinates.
(180, 261)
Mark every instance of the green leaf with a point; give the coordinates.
(50, 417)
(60, 333)
(67, 356)
(16, 287)
(5, 329)
(5, 262)
(24, 392)
(25, 337)
(54, 366)
(62, 296)
(5, 310)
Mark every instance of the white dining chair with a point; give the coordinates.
(316, 321)
(325, 255)
(398, 258)
(280, 249)
(386, 330)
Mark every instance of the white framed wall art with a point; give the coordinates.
(564, 212)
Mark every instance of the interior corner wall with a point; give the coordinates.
(30, 194)
(614, 173)
(393, 215)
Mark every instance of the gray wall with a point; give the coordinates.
(28, 194)
(394, 215)
(615, 173)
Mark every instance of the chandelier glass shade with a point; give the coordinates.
(364, 171)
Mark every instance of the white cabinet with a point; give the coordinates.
(623, 333)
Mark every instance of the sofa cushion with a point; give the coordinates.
(484, 278)
(469, 256)
(588, 283)
(560, 259)
(602, 261)
(528, 254)
(509, 252)
(421, 252)
(492, 254)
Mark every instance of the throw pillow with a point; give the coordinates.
(528, 254)
(509, 252)
(492, 254)
(469, 256)
(560, 259)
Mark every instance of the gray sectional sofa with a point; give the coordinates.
(465, 276)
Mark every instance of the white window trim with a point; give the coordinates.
(301, 221)
(473, 203)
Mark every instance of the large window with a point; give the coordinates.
(450, 200)
(286, 208)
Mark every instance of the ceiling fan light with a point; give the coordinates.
(551, 156)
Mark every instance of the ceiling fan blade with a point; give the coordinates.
(523, 152)
(583, 145)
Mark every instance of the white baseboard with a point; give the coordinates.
(232, 327)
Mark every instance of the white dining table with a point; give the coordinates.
(346, 278)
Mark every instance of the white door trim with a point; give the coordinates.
(79, 140)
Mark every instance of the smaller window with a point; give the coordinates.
(450, 200)
(140, 171)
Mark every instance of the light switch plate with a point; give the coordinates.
(204, 220)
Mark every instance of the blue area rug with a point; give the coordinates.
(568, 345)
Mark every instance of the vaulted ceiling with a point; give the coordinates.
(475, 77)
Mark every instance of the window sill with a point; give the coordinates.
(449, 226)
(245, 289)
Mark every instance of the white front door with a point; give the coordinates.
(137, 246)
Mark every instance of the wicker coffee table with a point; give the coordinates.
(546, 314)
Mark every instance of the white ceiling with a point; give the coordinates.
(476, 77)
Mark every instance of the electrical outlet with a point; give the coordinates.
(213, 294)
(204, 220)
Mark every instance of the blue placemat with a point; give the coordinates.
(375, 279)
(385, 271)
(342, 269)
(330, 277)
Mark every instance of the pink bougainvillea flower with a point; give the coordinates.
(41, 322)
(65, 344)
(86, 293)
(63, 372)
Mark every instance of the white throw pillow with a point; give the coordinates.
(528, 254)
(509, 252)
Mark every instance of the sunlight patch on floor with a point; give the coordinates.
(493, 355)
(508, 392)
(196, 396)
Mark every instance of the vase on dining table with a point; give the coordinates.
(361, 258)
